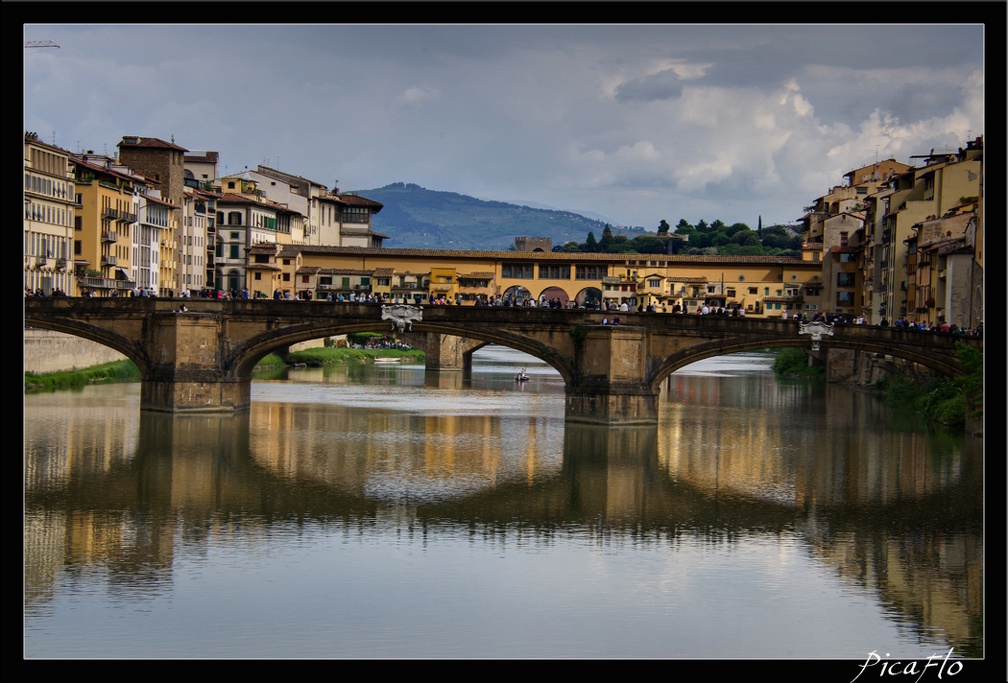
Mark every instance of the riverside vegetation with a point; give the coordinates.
(956, 404)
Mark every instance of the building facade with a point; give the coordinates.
(759, 286)
(49, 206)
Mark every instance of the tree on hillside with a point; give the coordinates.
(746, 238)
(591, 245)
(663, 228)
(683, 227)
(649, 244)
(702, 226)
(607, 239)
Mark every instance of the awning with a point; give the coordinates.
(122, 274)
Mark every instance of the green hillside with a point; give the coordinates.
(417, 218)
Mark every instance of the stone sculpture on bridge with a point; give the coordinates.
(817, 329)
(401, 315)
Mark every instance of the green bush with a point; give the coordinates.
(793, 362)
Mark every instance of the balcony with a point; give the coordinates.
(109, 236)
(110, 261)
(109, 212)
(41, 261)
(89, 282)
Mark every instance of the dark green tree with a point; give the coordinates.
(607, 239)
(649, 244)
(663, 228)
(683, 227)
(591, 245)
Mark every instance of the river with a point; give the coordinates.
(380, 511)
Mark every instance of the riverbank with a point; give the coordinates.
(954, 404)
(126, 370)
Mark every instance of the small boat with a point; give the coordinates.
(521, 376)
(386, 359)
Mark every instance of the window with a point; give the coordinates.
(846, 258)
(845, 279)
(843, 239)
(517, 270)
(766, 291)
(730, 291)
(233, 251)
(590, 272)
(845, 298)
(554, 272)
(753, 290)
(257, 276)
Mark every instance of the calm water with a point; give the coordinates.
(383, 512)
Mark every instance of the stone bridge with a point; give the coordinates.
(202, 359)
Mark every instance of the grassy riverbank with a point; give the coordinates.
(106, 373)
(126, 371)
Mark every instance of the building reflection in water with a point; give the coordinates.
(118, 491)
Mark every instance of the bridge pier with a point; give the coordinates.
(186, 372)
(444, 351)
(609, 386)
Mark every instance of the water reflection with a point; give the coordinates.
(120, 493)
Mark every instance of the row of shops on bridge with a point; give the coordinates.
(756, 286)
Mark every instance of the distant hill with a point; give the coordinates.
(417, 218)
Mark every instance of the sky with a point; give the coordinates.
(629, 123)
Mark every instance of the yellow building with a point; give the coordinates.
(49, 200)
(762, 286)
(106, 219)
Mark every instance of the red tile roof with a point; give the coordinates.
(152, 143)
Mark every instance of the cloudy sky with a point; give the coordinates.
(628, 123)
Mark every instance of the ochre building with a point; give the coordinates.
(763, 286)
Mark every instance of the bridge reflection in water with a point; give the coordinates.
(182, 476)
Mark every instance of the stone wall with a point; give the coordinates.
(47, 351)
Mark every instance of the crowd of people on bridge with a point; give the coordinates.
(512, 300)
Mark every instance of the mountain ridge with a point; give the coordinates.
(414, 217)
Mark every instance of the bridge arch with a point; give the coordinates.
(554, 292)
(133, 351)
(519, 293)
(589, 297)
(937, 362)
(257, 347)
